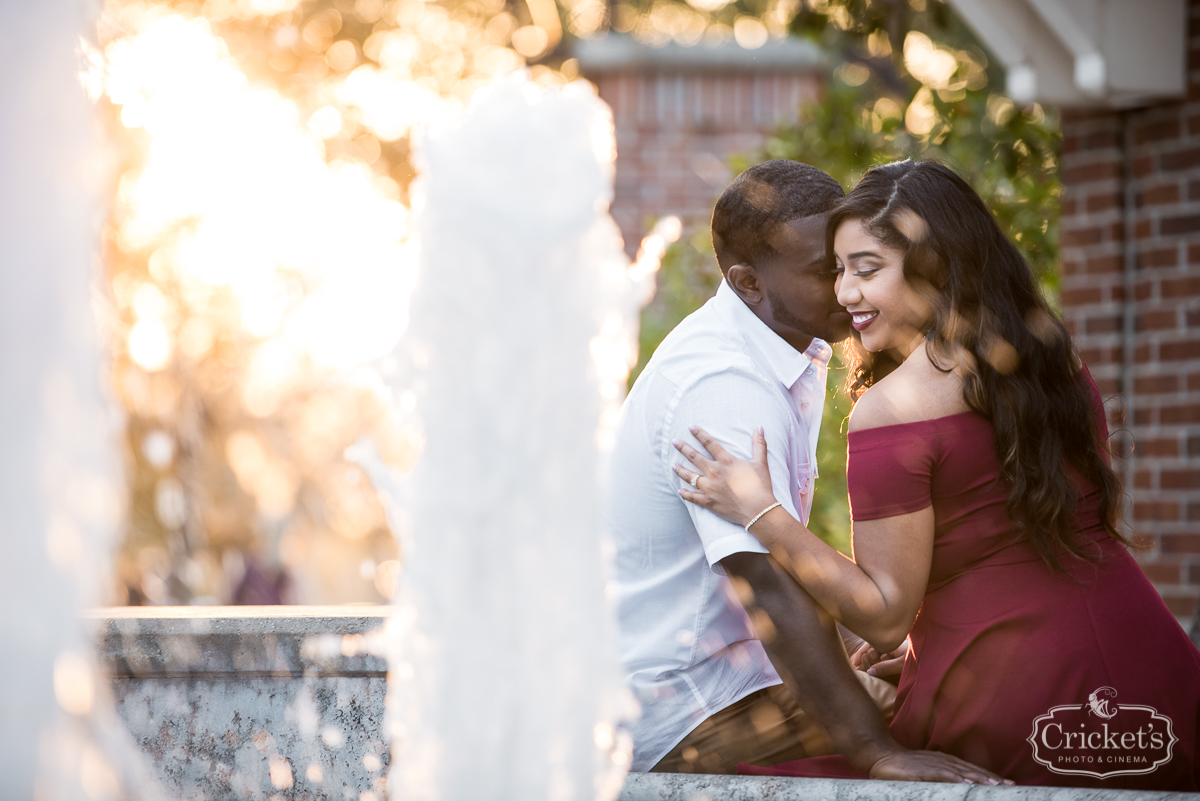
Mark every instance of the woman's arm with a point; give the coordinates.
(876, 594)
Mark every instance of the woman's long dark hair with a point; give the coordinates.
(991, 323)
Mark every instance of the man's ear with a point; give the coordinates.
(744, 280)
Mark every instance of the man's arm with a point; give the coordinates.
(807, 652)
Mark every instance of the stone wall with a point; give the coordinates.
(283, 702)
(1131, 297)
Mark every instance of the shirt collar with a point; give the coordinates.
(786, 363)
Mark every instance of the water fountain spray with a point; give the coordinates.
(505, 677)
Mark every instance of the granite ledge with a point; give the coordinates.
(240, 619)
(696, 787)
(242, 641)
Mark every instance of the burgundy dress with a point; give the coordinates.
(1001, 640)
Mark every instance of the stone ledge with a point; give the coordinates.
(225, 699)
(688, 787)
(252, 703)
(620, 52)
(241, 619)
(243, 641)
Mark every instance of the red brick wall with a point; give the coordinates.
(1153, 154)
(676, 130)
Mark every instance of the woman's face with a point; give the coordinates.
(886, 311)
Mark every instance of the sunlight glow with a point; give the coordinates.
(615, 350)
(259, 261)
(150, 345)
(650, 253)
(236, 192)
(74, 683)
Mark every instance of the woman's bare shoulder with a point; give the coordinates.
(914, 391)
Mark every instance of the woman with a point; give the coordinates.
(985, 511)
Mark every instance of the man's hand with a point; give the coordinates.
(931, 766)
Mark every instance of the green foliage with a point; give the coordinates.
(830, 516)
(1008, 155)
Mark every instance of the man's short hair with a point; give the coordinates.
(762, 198)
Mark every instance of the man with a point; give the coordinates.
(723, 649)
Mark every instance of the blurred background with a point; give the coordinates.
(263, 161)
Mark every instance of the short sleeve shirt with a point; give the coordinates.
(687, 644)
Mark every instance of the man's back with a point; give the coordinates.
(687, 643)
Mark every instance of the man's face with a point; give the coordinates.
(799, 284)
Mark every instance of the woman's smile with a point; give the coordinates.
(863, 319)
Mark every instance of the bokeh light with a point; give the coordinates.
(260, 263)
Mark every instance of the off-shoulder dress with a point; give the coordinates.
(1002, 640)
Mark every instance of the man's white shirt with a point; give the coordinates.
(688, 647)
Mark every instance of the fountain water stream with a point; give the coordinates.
(58, 490)
(505, 682)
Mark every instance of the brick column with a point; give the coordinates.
(675, 130)
(1150, 156)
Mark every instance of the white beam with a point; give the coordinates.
(1085, 53)
(1090, 69)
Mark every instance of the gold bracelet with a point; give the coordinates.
(760, 514)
